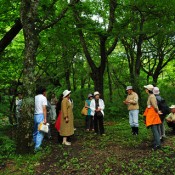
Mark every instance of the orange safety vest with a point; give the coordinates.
(152, 117)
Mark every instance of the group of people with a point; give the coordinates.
(66, 126)
(155, 113)
(95, 113)
(65, 120)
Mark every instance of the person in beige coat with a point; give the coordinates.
(67, 126)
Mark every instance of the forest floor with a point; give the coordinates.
(117, 153)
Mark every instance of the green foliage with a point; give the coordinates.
(7, 147)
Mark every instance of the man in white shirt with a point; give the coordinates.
(40, 115)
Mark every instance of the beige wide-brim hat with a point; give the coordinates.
(128, 88)
(96, 93)
(172, 107)
(66, 93)
(150, 87)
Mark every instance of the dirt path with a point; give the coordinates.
(91, 154)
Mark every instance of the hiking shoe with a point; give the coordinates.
(155, 148)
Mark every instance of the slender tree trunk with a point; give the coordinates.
(97, 77)
(25, 128)
(109, 83)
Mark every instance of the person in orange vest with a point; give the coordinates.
(152, 116)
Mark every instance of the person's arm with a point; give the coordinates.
(92, 105)
(86, 105)
(45, 113)
(135, 100)
(64, 109)
(154, 103)
(101, 105)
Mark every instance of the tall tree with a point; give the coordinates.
(32, 27)
(87, 28)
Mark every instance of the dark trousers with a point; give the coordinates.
(89, 122)
(171, 125)
(98, 124)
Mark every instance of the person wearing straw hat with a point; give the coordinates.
(97, 106)
(171, 118)
(133, 107)
(152, 116)
(67, 125)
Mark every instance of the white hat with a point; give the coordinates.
(172, 106)
(90, 95)
(96, 93)
(66, 93)
(129, 87)
(149, 87)
(156, 91)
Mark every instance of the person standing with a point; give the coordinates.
(67, 118)
(89, 118)
(133, 107)
(18, 106)
(40, 115)
(53, 103)
(152, 116)
(163, 114)
(97, 106)
(58, 120)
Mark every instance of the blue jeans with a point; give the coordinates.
(156, 135)
(133, 118)
(37, 135)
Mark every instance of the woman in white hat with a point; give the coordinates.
(67, 126)
(97, 106)
(152, 116)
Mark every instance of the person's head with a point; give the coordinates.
(53, 95)
(90, 96)
(66, 94)
(96, 95)
(149, 88)
(61, 97)
(129, 89)
(41, 90)
(172, 107)
(20, 95)
(156, 91)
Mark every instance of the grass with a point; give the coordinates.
(116, 153)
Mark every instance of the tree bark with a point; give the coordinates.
(25, 128)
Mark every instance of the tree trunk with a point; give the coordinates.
(109, 83)
(97, 77)
(25, 128)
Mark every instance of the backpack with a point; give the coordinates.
(163, 107)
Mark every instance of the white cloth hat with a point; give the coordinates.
(128, 88)
(172, 106)
(156, 91)
(96, 93)
(150, 87)
(90, 95)
(66, 93)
